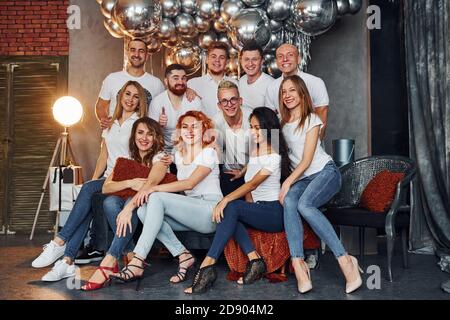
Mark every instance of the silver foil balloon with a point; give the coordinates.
(233, 52)
(354, 6)
(314, 17)
(229, 8)
(171, 8)
(275, 26)
(272, 67)
(166, 29)
(254, 3)
(222, 37)
(205, 39)
(113, 28)
(233, 68)
(207, 9)
(343, 7)
(268, 55)
(172, 41)
(278, 9)
(187, 54)
(202, 25)
(220, 25)
(276, 40)
(289, 24)
(106, 7)
(188, 6)
(190, 36)
(154, 45)
(138, 18)
(184, 23)
(249, 26)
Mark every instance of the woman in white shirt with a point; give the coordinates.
(131, 105)
(267, 166)
(313, 182)
(165, 211)
(146, 148)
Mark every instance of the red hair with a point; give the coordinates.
(207, 125)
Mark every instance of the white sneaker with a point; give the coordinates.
(60, 271)
(312, 261)
(52, 252)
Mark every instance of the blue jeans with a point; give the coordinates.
(112, 207)
(80, 217)
(264, 215)
(303, 200)
(165, 212)
(100, 233)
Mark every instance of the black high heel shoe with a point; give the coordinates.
(254, 271)
(182, 271)
(204, 279)
(127, 276)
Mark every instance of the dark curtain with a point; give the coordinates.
(427, 41)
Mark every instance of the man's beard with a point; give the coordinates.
(178, 90)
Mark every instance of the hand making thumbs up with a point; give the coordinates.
(163, 118)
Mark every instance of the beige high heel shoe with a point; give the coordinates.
(352, 286)
(307, 285)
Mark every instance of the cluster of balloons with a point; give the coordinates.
(187, 27)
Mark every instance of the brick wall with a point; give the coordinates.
(34, 28)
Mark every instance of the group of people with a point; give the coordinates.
(246, 154)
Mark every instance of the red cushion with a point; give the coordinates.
(273, 247)
(380, 191)
(126, 169)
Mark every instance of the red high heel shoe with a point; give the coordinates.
(90, 286)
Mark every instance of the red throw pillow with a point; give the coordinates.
(380, 191)
(126, 169)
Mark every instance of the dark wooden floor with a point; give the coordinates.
(19, 281)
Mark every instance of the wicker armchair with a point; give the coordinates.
(344, 208)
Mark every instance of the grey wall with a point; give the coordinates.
(93, 55)
(340, 57)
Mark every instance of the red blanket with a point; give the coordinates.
(273, 247)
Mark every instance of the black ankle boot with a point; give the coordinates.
(204, 279)
(254, 271)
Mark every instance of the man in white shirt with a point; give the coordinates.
(253, 85)
(288, 59)
(137, 55)
(168, 106)
(232, 125)
(206, 86)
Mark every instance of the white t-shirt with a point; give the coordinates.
(296, 144)
(236, 142)
(269, 189)
(162, 100)
(117, 141)
(115, 81)
(211, 183)
(254, 94)
(206, 88)
(316, 88)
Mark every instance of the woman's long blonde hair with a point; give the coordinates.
(142, 106)
(306, 106)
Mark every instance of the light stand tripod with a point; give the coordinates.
(62, 149)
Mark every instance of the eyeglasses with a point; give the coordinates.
(233, 101)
